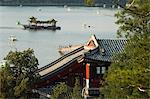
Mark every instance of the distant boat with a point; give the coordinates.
(118, 7)
(65, 6)
(68, 9)
(35, 24)
(113, 6)
(39, 9)
(104, 5)
(12, 38)
(20, 5)
(84, 25)
(97, 12)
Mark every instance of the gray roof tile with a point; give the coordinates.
(107, 48)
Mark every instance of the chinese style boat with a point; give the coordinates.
(39, 25)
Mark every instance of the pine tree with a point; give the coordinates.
(6, 83)
(76, 94)
(60, 89)
(19, 74)
(129, 75)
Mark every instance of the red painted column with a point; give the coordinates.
(87, 75)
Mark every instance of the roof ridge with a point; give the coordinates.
(113, 39)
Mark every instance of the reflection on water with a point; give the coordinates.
(77, 25)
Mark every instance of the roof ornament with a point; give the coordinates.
(103, 51)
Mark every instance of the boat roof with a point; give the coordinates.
(47, 21)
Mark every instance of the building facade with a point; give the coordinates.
(88, 62)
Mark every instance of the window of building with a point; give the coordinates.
(98, 70)
(103, 70)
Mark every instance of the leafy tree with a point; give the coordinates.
(129, 75)
(134, 19)
(76, 94)
(6, 82)
(60, 89)
(20, 73)
(24, 64)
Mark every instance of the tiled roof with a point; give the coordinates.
(107, 48)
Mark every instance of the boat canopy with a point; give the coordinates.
(34, 20)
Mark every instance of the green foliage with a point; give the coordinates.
(129, 75)
(24, 63)
(134, 19)
(59, 90)
(6, 82)
(19, 74)
(62, 91)
(76, 94)
(21, 87)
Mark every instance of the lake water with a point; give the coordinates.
(45, 42)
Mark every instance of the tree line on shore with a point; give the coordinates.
(61, 2)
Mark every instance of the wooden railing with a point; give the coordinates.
(45, 95)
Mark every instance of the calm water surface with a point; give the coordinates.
(46, 43)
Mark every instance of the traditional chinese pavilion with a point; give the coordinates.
(88, 62)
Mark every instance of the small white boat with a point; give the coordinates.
(113, 6)
(97, 12)
(104, 5)
(65, 6)
(39, 9)
(118, 7)
(12, 38)
(68, 9)
(84, 25)
(20, 5)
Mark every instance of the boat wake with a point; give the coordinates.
(8, 27)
